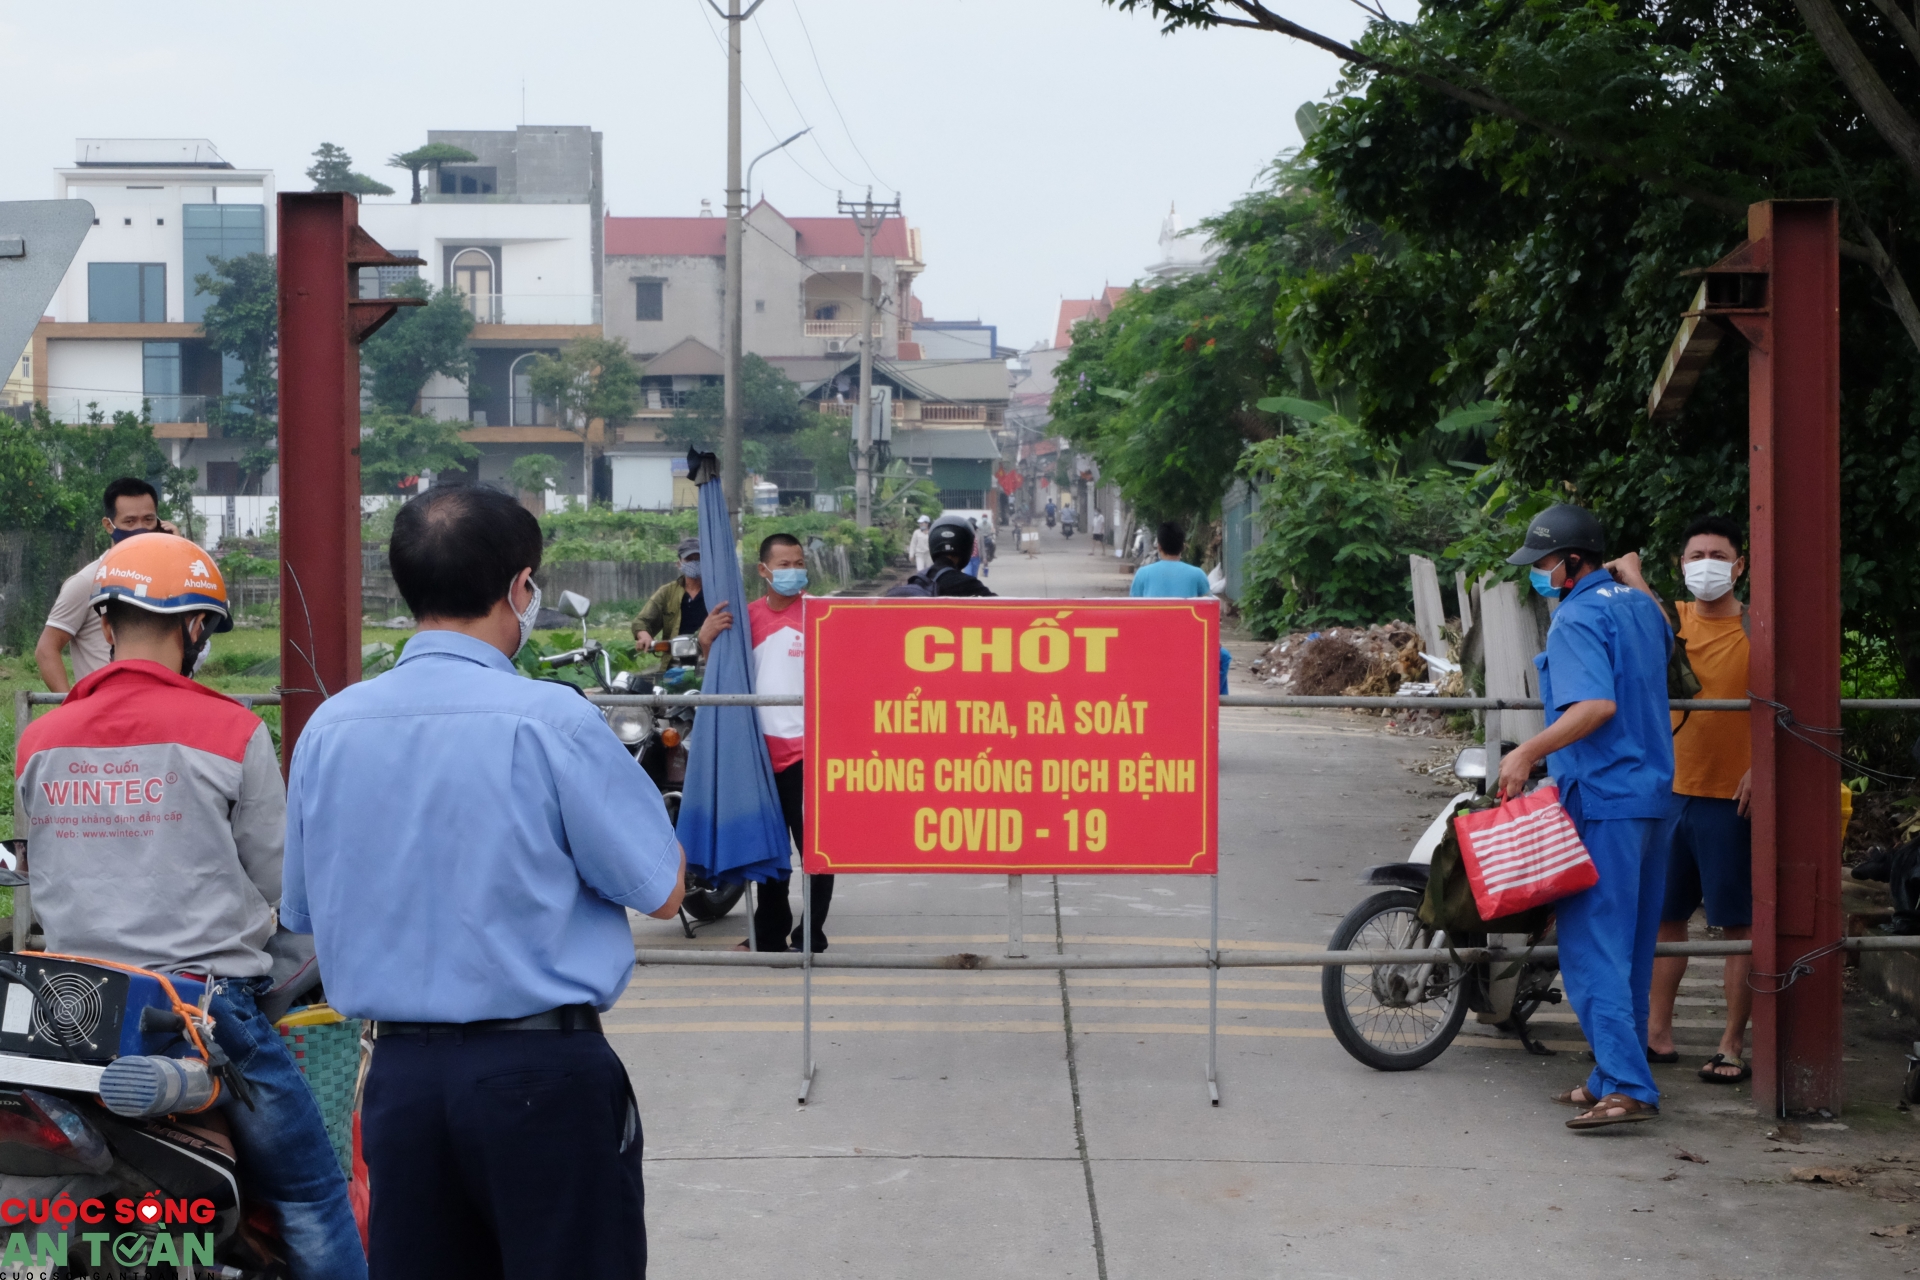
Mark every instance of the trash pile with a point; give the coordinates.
(1365, 662)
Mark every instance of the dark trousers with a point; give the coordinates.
(503, 1154)
(773, 926)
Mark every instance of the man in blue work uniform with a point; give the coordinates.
(1609, 745)
(464, 844)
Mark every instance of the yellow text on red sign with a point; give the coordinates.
(1012, 736)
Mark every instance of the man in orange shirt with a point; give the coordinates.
(1712, 861)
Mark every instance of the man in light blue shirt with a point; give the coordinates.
(1170, 576)
(464, 844)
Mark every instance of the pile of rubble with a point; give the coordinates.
(1366, 662)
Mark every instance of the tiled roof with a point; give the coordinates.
(707, 237)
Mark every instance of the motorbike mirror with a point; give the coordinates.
(575, 604)
(1471, 764)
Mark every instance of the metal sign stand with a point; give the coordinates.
(806, 984)
(1016, 907)
(1213, 996)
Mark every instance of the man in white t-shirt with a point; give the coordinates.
(132, 507)
(777, 620)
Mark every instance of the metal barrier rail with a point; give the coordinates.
(1275, 701)
(1198, 959)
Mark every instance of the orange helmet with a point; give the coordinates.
(164, 573)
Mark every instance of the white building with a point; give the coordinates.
(123, 328)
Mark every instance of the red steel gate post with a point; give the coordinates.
(322, 321)
(1793, 376)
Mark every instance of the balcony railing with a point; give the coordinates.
(923, 411)
(660, 398)
(163, 408)
(534, 308)
(838, 328)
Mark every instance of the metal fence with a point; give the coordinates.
(1212, 958)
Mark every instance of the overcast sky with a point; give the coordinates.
(1036, 143)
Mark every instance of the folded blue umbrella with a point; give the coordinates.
(730, 823)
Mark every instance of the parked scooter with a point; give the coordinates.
(657, 737)
(1398, 1017)
(106, 1074)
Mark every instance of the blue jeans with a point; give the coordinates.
(286, 1162)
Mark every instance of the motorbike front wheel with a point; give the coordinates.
(1391, 1017)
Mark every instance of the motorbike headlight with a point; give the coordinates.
(632, 725)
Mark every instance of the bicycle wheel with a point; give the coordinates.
(1393, 1017)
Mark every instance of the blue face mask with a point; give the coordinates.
(1542, 582)
(789, 582)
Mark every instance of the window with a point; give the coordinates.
(127, 292)
(649, 300)
(468, 180)
(210, 231)
(223, 477)
(828, 311)
(759, 304)
(160, 380)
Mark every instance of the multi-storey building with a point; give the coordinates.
(517, 232)
(123, 329)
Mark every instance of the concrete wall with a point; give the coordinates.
(690, 303)
(546, 249)
(151, 201)
(109, 372)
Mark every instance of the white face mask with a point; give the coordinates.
(1708, 579)
(528, 616)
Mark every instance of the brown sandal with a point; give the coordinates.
(1631, 1110)
(1568, 1100)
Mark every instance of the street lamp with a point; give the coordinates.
(778, 146)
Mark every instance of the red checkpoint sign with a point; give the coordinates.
(1012, 736)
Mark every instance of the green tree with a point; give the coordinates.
(430, 158)
(416, 344)
(535, 473)
(397, 448)
(332, 170)
(590, 378)
(770, 407)
(242, 323)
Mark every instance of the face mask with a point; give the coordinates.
(1542, 581)
(121, 535)
(789, 582)
(690, 568)
(527, 616)
(1708, 579)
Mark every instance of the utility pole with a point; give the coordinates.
(868, 216)
(736, 210)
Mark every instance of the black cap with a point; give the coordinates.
(951, 535)
(1561, 527)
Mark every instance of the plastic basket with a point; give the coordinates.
(328, 1055)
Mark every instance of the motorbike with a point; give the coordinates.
(1066, 523)
(655, 736)
(106, 1074)
(1399, 1017)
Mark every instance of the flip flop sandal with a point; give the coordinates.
(1708, 1073)
(1663, 1059)
(1632, 1111)
(1568, 1100)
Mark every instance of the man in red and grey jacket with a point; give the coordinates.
(156, 820)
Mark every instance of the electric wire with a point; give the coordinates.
(812, 134)
(772, 132)
(844, 127)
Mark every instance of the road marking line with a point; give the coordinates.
(954, 1002)
(990, 939)
(907, 979)
(971, 1028)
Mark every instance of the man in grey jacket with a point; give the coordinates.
(156, 822)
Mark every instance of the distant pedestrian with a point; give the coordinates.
(1610, 748)
(677, 609)
(1170, 576)
(464, 844)
(917, 546)
(1712, 863)
(132, 507)
(1097, 530)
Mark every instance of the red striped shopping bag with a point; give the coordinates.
(1523, 854)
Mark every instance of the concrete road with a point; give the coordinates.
(1010, 1124)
